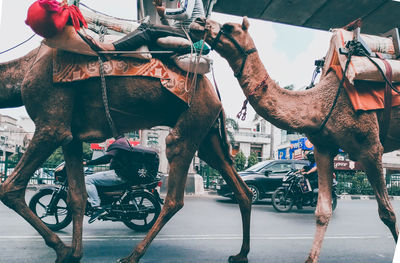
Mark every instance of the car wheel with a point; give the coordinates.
(256, 193)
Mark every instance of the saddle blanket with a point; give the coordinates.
(69, 67)
(364, 83)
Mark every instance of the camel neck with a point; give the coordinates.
(279, 106)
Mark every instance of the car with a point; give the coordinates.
(263, 178)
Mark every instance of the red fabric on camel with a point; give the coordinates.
(47, 18)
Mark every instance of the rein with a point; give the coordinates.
(245, 53)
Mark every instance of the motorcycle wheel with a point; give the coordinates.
(148, 205)
(280, 202)
(59, 217)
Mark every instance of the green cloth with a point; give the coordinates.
(198, 45)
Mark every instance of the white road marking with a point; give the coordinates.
(200, 237)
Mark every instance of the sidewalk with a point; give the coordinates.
(212, 192)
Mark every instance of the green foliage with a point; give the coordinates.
(252, 160)
(355, 183)
(57, 156)
(289, 87)
(231, 124)
(240, 161)
(14, 159)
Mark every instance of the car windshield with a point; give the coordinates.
(258, 166)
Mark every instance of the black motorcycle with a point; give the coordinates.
(297, 190)
(137, 206)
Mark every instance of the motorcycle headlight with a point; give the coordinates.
(285, 177)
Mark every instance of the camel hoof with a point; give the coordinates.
(67, 256)
(237, 259)
(123, 260)
(309, 260)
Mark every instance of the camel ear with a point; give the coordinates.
(245, 24)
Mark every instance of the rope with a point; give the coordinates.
(105, 100)
(337, 94)
(23, 42)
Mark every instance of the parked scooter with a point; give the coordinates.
(296, 190)
(137, 206)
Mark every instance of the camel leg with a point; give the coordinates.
(76, 194)
(182, 143)
(12, 191)
(323, 211)
(179, 156)
(374, 170)
(212, 152)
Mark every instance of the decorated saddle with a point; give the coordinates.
(364, 83)
(76, 67)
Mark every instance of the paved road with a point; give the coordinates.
(208, 229)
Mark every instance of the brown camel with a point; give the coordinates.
(357, 133)
(68, 114)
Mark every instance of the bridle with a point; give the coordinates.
(245, 53)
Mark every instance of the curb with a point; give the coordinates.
(365, 197)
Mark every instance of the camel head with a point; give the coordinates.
(231, 40)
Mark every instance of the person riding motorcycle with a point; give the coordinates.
(104, 178)
(310, 171)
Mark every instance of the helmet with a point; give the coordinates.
(310, 156)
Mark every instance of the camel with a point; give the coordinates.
(357, 133)
(72, 113)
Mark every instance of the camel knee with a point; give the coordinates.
(171, 141)
(171, 207)
(388, 217)
(322, 217)
(12, 197)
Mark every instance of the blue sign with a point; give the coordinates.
(282, 154)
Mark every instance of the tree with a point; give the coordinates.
(289, 87)
(252, 160)
(240, 161)
(57, 156)
(232, 124)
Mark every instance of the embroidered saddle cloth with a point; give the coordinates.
(364, 83)
(69, 67)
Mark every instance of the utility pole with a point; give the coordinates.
(272, 143)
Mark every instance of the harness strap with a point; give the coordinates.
(336, 96)
(245, 55)
(105, 100)
(243, 112)
(216, 40)
(387, 110)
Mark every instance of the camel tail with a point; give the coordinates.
(12, 74)
(224, 136)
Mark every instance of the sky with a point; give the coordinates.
(288, 52)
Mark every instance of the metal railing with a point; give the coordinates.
(44, 175)
(357, 183)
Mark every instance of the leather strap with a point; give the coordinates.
(387, 110)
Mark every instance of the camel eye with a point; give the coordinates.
(228, 28)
